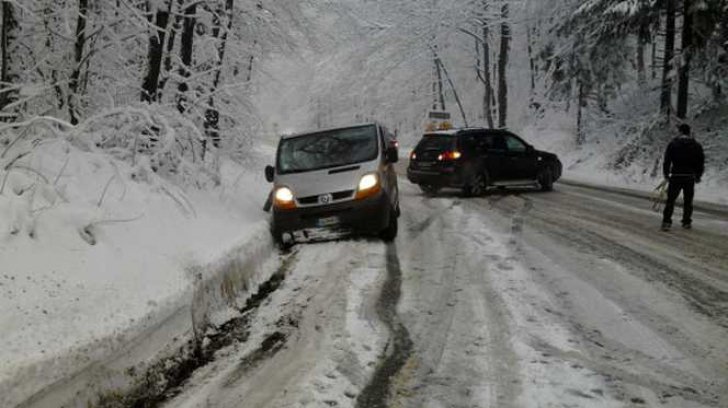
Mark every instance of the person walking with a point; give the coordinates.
(683, 167)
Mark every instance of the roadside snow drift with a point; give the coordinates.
(105, 229)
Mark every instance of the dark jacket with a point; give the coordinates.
(684, 157)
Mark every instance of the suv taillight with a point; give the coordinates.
(449, 156)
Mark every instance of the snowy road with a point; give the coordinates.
(570, 298)
(518, 299)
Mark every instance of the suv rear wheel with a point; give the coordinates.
(476, 186)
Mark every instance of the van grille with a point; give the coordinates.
(337, 196)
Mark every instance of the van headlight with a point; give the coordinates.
(283, 198)
(368, 186)
(368, 181)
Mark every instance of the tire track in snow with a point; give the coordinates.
(462, 355)
(376, 393)
(420, 228)
(700, 294)
(331, 348)
(165, 379)
(625, 369)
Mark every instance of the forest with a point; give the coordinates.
(497, 63)
(133, 139)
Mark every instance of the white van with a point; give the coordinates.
(338, 179)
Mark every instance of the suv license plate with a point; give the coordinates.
(328, 221)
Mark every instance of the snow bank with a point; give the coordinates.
(107, 230)
(627, 152)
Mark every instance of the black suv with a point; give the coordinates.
(474, 159)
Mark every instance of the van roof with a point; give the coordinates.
(327, 130)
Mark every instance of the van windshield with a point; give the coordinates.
(328, 149)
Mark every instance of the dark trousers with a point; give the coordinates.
(687, 186)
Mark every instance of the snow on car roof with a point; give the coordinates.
(449, 132)
(325, 130)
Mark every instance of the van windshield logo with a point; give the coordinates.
(325, 198)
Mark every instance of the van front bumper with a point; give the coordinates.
(366, 216)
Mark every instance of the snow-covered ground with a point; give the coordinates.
(522, 299)
(518, 299)
(94, 249)
(328, 337)
(528, 299)
(594, 163)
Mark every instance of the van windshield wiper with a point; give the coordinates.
(344, 169)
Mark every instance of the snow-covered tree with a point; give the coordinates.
(75, 58)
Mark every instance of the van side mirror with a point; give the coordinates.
(392, 154)
(270, 173)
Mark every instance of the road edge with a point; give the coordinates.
(232, 278)
(703, 206)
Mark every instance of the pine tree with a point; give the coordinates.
(73, 85)
(687, 50)
(212, 113)
(186, 48)
(7, 37)
(484, 70)
(160, 19)
(667, 64)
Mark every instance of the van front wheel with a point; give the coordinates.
(280, 241)
(390, 233)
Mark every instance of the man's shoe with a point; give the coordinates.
(666, 226)
(687, 226)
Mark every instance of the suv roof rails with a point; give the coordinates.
(456, 131)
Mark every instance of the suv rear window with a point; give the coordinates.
(436, 142)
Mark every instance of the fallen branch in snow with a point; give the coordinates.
(121, 180)
(41, 209)
(11, 162)
(26, 124)
(116, 220)
(22, 190)
(11, 144)
(189, 204)
(32, 170)
(63, 168)
(7, 168)
(87, 233)
(5, 180)
(106, 188)
(52, 119)
(186, 207)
